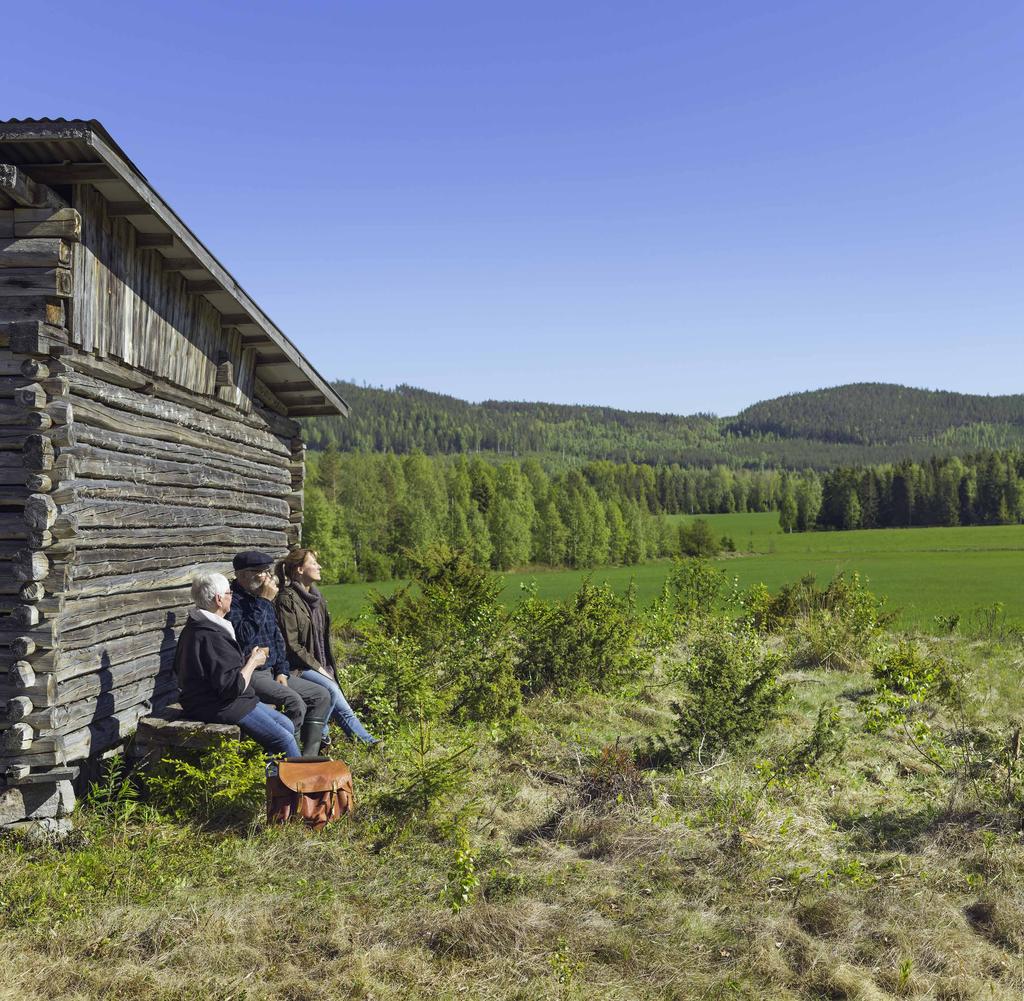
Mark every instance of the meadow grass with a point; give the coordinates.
(922, 572)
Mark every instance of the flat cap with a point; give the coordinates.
(252, 560)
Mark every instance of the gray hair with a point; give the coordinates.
(207, 587)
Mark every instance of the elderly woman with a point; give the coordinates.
(214, 680)
(306, 625)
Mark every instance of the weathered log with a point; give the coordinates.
(38, 483)
(217, 537)
(25, 615)
(37, 453)
(87, 462)
(78, 491)
(40, 512)
(63, 223)
(154, 732)
(24, 191)
(126, 514)
(54, 282)
(116, 374)
(37, 309)
(147, 622)
(220, 428)
(16, 709)
(28, 565)
(42, 689)
(79, 744)
(34, 368)
(79, 613)
(39, 253)
(17, 737)
(95, 414)
(135, 445)
(59, 720)
(77, 686)
(31, 397)
(32, 337)
(31, 592)
(12, 525)
(33, 804)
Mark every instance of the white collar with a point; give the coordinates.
(199, 614)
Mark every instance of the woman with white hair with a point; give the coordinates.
(212, 678)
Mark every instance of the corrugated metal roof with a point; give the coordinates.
(75, 149)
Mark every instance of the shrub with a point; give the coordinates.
(594, 639)
(222, 784)
(824, 745)
(733, 693)
(449, 626)
(693, 587)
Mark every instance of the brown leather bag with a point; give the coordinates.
(317, 791)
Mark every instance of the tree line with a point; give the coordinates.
(365, 512)
(984, 488)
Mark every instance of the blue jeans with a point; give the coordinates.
(270, 729)
(341, 711)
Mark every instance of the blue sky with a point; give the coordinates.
(658, 206)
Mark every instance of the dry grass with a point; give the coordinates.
(858, 883)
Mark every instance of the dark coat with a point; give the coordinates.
(296, 622)
(208, 664)
(255, 625)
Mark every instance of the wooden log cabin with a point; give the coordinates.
(147, 430)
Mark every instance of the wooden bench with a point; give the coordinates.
(169, 729)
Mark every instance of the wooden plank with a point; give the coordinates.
(68, 173)
(38, 253)
(59, 720)
(124, 514)
(147, 240)
(22, 190)
(64, 223)
(36, 282)
(7, 220)
(117, 210)
(202, 286)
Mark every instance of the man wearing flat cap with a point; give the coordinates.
(307, 705)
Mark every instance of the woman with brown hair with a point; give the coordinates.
(306, 626)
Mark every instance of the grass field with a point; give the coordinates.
(923, 572)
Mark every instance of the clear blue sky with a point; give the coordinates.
(659, 206)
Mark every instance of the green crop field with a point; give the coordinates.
(923, 572)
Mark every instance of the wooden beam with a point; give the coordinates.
(180, 264)
(296, 387)
(39, 253)
(323, 410)
(203, 286)
(22, 190)
(147, 240)
(117, 210)
(36, 282)
(65, 223)
(235, 319)
(68, 173)
(271, 358)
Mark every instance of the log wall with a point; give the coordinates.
(122, 473)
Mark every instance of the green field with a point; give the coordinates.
(923, 572)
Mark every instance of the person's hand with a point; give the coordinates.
(282, 679)
(269, 588)
(258, 657)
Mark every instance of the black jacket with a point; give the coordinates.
(208, 664)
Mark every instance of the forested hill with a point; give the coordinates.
(876, 413)
(847, 425)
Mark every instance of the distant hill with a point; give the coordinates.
(822, 429)
(876, 413)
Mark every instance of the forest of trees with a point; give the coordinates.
(986, 488)
(365, 511)
(862, 424)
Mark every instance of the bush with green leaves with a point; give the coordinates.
(443, 644)
(224, 783)
(595, 639)
(699, 539)
(823, 746)
(733, 693)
